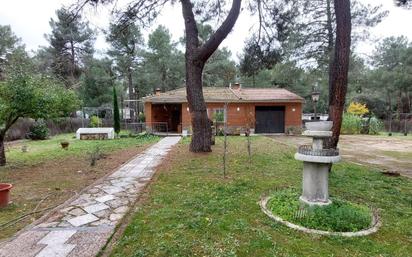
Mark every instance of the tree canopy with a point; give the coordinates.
(71, 42)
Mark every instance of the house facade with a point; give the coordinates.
(264, 110)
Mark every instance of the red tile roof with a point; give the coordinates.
(225, 94)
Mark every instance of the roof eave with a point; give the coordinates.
(228, 101)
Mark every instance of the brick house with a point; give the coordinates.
(266, 110)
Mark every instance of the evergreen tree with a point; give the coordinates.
(219, 70)
(71, 42)
(126, 41)
(10, 44)
(164, 62)
(116, 113)
(96, 83)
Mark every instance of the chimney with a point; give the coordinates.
(158, 91)
(235, 86)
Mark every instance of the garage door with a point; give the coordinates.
(270, 119)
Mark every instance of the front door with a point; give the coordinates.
(270, 119)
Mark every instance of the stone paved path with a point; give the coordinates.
(82, 227)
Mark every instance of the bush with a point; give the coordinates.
(38, 131)
(294, 130)
(375, 126)
(357, 109)
(351, 124)
(142, 118)
(95, 122)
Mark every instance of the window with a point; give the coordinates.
(219, 115)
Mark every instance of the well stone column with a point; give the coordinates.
(316, 162)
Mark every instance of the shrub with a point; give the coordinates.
(95, 122)
(357, 109)
(38, 131)
(142, 118)
(220, 132)
(375, 126)
(294, 130)
(351, 124)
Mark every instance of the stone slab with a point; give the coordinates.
(96, 207)
(82, 220)
(56, 251)
(105, 198)
(57, 237)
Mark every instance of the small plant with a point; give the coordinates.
(220, 132)
(24, 148)
(38, 131)
(293, 130)
(95, 122)
(142, 117)
(65, 145)
(95, 155)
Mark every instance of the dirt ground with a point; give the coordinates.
(393, 154)
(51, 183)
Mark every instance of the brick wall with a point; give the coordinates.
(239, 114)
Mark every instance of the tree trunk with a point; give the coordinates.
(202, 131)
(131, 94)
(340, 66)
(73, 61)
(2, 152)
(330, 43)
(196, 56)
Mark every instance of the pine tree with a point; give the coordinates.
(71, 42)
(116, 113)
(126, 41)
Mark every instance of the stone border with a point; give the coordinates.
(375, 224)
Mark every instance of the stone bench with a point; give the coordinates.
(95, 133)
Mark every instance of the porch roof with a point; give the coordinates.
(225, 94)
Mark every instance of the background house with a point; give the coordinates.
(266, 110)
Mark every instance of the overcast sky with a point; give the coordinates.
(29, 19)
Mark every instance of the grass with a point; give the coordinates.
(47, 175)
(190, 210)
(340, 216)
(43, 150)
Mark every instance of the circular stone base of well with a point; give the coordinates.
(307, 202)
(374, 227)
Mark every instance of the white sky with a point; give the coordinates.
(29, 20)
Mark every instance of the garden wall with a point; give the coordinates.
(64, 125)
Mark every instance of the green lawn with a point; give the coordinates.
(191, 210)
(43, 150)
(47, 175)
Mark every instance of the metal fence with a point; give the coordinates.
(149, 127)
